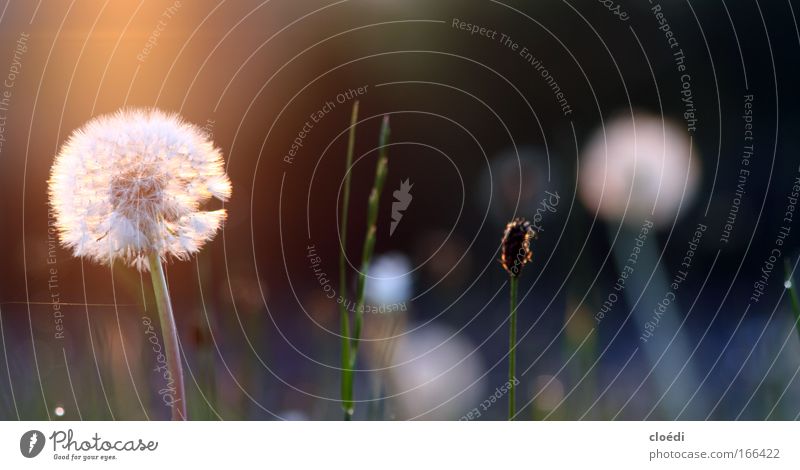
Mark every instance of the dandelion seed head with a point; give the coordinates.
(433, 374)
(390, 280)
(640, 166)
(132, 183)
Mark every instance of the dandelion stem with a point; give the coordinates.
(170, 333)
(512, 350)
(347, 372)
(793, 295)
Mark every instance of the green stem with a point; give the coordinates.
(512, 350)
(381, 170)
(347, 372)
(793, 295)
(170, 333)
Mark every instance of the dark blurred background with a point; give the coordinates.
(481, 136)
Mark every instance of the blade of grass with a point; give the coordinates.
(381, 170)
(795, 302)
(347, 373)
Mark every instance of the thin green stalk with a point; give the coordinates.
(512, 350)
(170, 333)
(347, 373)
(381, 169)
(366, 256)
(793, 295)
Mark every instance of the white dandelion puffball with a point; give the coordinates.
(131, 184)
(390, 280)
(436, 375)
(639, 165)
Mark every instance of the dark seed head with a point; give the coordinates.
(516, 250)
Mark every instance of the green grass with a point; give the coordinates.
(792, 288)
(350, 342)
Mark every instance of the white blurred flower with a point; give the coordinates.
(133, 183)
(389, 281)
(549, 392)
(436, 377)
(294, 415)
(644, 158)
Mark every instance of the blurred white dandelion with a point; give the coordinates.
(549, 392)
(641, 169)
(436, 375)
(390, 280)
(133, 183)
(641, 165)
